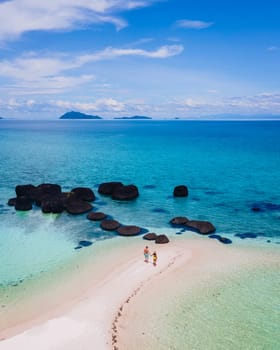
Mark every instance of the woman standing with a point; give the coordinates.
(154, 255)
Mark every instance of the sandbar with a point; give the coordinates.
(95, 309)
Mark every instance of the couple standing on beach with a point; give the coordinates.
(147, 256)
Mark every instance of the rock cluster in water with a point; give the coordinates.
(202, 227)
(159, 239)
(118, 191)
(199, 226)
(51, 199)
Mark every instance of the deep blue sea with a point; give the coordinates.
(229, 168)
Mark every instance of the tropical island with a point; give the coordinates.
(78, 115)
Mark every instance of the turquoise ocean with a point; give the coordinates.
(229, 167)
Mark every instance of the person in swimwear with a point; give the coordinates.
(154, 256)
(146, 254)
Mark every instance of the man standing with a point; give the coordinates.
(146, 254)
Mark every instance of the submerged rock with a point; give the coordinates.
(221, 239)
(109, 225)
(225, 240)
(96, 216)
(179, 220)
(84, 193)
(257, 209)
(125, 193)
(85, 243)
(161, 239)
(215, 236)
(77, 206)
(129, 230)
(202, 227)
(265, 206)
(272, 206)
(107, 188)
(150, 236)
(246, 235)
(160, 210)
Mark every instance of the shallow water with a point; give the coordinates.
(238, 313)
(228, 166)
(209, 305)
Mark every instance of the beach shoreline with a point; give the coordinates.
(97, 308)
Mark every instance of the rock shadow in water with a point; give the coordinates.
(221, 239)
(264, 206)
(251, 235)
(82, 244)
(160, 210)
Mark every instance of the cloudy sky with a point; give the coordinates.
(162, 58)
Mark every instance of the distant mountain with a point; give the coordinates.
(78, 115)
(134, 117)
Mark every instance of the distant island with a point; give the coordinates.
(78, 115)
(134, 117)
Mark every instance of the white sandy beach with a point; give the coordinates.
(98, 314)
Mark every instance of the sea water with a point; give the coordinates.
(229, 168)
(221, 311)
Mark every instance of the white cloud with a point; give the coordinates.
(193, 24)
(29, 66)
(111, 52)
(43, 74)
(100, 105)
(52, 85)
(190, 107)
(20, 16)
(34, 67)
(262, 103)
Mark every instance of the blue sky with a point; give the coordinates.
(162, 58)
